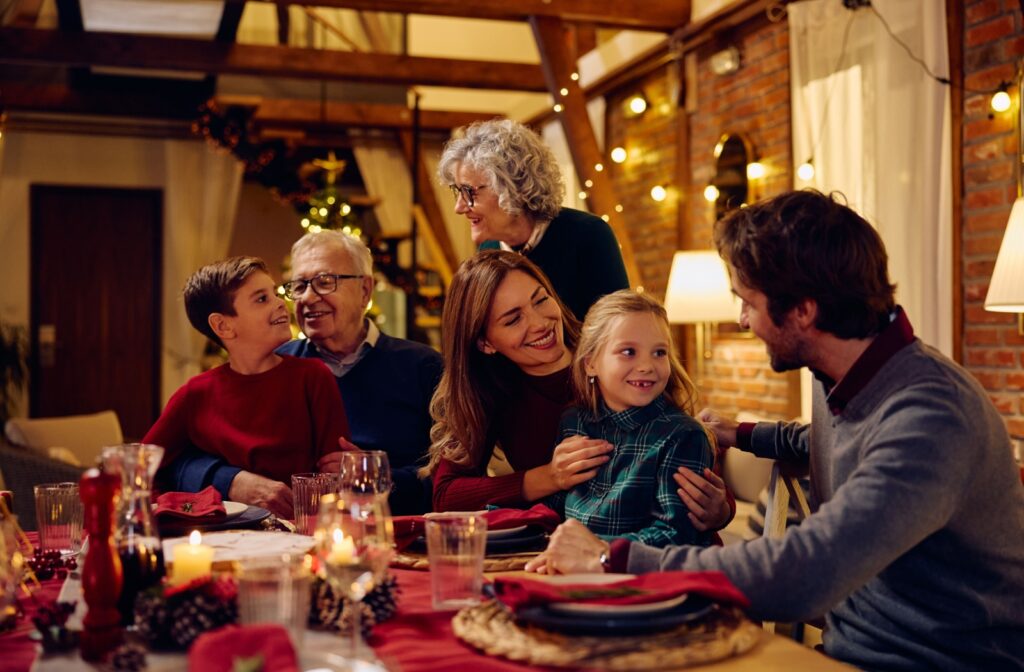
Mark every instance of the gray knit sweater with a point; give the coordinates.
(915, 548)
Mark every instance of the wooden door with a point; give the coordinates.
(95, 273)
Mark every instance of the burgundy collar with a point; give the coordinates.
(891, 340)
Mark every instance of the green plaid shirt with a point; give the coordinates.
(633, 496)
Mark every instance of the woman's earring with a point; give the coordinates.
(591, 379)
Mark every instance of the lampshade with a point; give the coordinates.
(699, 290)
(1006, 290)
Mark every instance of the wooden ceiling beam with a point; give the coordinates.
(553, 42)
(291, 114)
(636, 14)
(55, 47)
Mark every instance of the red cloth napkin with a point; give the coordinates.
(654, 587)
(410, 528)
(217, 651)
(203, 504)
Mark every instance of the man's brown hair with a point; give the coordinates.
(806, 245)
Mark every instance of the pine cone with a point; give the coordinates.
(151, 618)
(329, 609)
(129, 658)
(197, 612)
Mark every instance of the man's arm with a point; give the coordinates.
(194, 470)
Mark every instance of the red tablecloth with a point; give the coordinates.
(416, 639)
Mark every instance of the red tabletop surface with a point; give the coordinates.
(415, 639)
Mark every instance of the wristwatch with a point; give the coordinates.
(606, 560)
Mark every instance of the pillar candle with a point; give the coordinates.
(191, 561)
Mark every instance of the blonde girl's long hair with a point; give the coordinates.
(473, 384)
(595, 335)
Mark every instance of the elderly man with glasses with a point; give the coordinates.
(386, 383)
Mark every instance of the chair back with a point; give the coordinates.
(83, 435)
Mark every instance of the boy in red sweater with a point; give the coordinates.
(269, 414)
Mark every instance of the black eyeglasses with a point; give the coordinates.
(467, 192)
(322, 283)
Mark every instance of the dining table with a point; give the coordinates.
(416, 639)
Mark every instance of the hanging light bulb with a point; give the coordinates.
(637, 104)
(806, 170)
(1000, 99)
(619, 154)
(659, 193)
(711, 193)
(755, 170)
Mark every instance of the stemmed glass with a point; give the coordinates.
(353, 541)
(365, 471)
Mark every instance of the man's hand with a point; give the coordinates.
(331, 462)
(572, 548)
(704, 497)
(250, 488)
(723, 428)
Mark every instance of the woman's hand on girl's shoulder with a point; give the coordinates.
(705, 497)
(577, 459)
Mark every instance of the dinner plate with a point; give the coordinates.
(248, 518)
(233, 509)
(501, 534)
(693, 608)
(600, 610)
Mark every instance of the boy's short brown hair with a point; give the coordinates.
(212, 289)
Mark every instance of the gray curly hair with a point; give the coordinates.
(521, 169)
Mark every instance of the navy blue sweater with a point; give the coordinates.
(387, 400)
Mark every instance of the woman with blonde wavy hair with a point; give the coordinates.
(507, 183)
(507, 343)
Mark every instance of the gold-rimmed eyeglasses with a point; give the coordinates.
(322, 283)
(467, 192)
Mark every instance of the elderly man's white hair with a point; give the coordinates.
(352, 246)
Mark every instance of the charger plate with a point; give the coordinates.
(492, 628)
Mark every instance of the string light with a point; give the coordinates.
(1001, 99)
(583, 195)
(619, 154)
(659, 193)
(806, 170)
(558, 107)
(637, 104)
(304, 223)
(563, 91)
(755, 170)
(606, 218)
(618, 207)
(588, 184)
(711, 193)
(599, 167)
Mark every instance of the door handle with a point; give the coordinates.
(47, 345)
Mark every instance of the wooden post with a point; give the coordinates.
(558, 65)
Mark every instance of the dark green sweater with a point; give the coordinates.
(581, 257)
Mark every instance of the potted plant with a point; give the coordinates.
(13, 368)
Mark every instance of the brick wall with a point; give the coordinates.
(993, 42)
(753, 101)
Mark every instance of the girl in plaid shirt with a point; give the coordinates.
(632, 391)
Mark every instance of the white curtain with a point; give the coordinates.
(200, 202)
(878, 128)
(386, 176)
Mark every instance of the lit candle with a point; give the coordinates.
(191, 561)
(343, 551)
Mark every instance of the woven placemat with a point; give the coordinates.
(497, 563)
(492, 629)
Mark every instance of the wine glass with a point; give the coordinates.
(353, 540)
(365, 471)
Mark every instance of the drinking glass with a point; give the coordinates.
(275, 590)
(353, 541)
(456, 543)
(59, 517)
(307, 489)
(365, 471)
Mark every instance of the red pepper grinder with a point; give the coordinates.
(101, 573)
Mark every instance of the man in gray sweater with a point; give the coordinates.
(915, 548)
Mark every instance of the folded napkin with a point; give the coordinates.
(265, 647)
(654, 587)
(205, 504)
(410, 528)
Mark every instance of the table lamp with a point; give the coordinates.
(699, 293)
(1006, 290)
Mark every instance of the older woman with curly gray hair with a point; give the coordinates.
(507, 183)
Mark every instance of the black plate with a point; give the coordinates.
(248, 519)
(694, 608)
(530, 539)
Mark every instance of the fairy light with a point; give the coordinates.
(558, 107)
(637, 104)
(755, 170)
(575, 76)
(659, 193)
(588, 184)
(619, 154)
(599, 167)
(711, 193)
(563, 91)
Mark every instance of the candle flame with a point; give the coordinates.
(338, 536)
(195, 538)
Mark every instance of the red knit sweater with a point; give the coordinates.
(276, 423)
